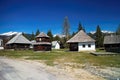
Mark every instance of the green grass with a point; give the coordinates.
(62, 56)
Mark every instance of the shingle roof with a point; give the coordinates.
(19, 38)
(42, 35)
(113, 39)
(81, 36)
(54, 43)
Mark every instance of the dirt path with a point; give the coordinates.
(14, 69)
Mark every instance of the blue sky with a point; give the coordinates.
(30, 15)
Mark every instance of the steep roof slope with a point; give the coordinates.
(19, 38)
(42, 35)
(113, 39)
(54, 43)
(81, 36)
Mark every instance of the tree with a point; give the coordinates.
(49, 33)
(118, 30)
(73, 34)
(32, 36)
(26, 35)
(80, 27)
(99, 37)
(37, 32)
(66, 27)
(57, 38)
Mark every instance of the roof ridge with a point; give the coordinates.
(81, 36)
(17, 37)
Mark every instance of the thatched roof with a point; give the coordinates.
(42, 35)
(19, 38)
(81, 36)
(113, 39)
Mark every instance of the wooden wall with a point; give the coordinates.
(42, 47)
(112, 47)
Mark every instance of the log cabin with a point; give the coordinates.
(42, 43)
(112, 43)
(18, 42)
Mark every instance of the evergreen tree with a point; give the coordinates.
(26, 36)
(80, 27)
(57, 38)
(49, 33)
(118, 30)
(37, 32)
(73, 34)
(66, 27)
(32, 36)
(99, 37)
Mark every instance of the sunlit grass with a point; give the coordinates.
(63, 56)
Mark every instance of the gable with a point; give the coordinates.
(19, 38)
(81, 36)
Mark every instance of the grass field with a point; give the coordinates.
(64, 56)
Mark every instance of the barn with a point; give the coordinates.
(18, 42)
(112, 43)
(81, 42)
(42, 43)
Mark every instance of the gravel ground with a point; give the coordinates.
(19, 69)
(12, 69)
(109, 73)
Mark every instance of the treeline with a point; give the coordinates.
(98, 36)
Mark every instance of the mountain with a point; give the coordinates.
(60, 35)
(9, 33)
(103, 31)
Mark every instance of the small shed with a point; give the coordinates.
(112, 43)
(18, 42)
(81, 42)
(1, 44)
(42, 43)
(55, 45)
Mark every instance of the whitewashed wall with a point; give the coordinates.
(57, 46)
(86, 48)
(1, 44)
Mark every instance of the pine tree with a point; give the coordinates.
(32, 36)
(49, 33)
(66, 27)
(80, 27)
(57, 38)
(26, 35)
(99, 37)
(73, 34)
(118, 30)
(37, 32)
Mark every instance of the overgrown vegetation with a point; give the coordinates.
(64, 56)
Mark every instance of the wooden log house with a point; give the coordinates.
(42, 43)
(112, 43)
(18, 42)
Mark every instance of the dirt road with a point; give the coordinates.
(14, 69)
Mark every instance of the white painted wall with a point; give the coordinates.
(86, 48)
(1, 44)
(57, 46)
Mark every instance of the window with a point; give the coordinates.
(83, 45)
(40, 39)
(89, 45)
